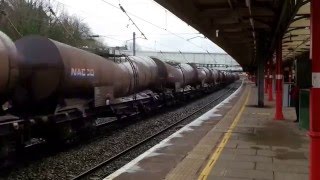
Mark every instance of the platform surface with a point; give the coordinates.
(263, 148)
(234, 140)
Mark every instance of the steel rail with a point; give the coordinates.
(113, 158)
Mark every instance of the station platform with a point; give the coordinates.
(234, 140)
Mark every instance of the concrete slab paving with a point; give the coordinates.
(290, 176)
(257, 147)
(264, 148)
(181, 155)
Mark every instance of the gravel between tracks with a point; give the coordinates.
(72, 161)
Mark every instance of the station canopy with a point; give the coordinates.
(296, 39)
(249, 29)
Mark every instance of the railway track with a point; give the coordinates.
(89, 173)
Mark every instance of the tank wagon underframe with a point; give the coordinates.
(55, 91)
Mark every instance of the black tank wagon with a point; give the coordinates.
(51, 90)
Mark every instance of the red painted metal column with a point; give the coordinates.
(270, 93)
(315, 92)
(279, 81)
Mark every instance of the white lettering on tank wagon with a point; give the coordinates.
(82, 72)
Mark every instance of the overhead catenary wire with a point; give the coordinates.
(63, 4)
(176, 49)
(14, 27)
(205, 50)
(64, 27)
(183, 56)
(10, 22)
(158, 34)
(210, 55)
(159, 27)
(84, 12)
(161, 52)
(120, 40)
(107, 36)
(53, 13)
(125, 12)
(122, 9)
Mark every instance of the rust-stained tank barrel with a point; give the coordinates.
(209, 79)
(222, 77)
(8, 68)
(145, 75)
(169, 76)
(202, 75)
(189, 74)
(229, 76)
(147, 71)
(51, 68)
(215, 75)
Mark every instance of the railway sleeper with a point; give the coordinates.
(67, 125)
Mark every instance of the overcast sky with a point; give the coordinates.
(116, 28)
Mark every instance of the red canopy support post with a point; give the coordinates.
(279, 81)
(270, 93)
(314, 131)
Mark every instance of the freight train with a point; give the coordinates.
(50, 90)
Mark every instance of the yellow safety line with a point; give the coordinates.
(215, 156)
